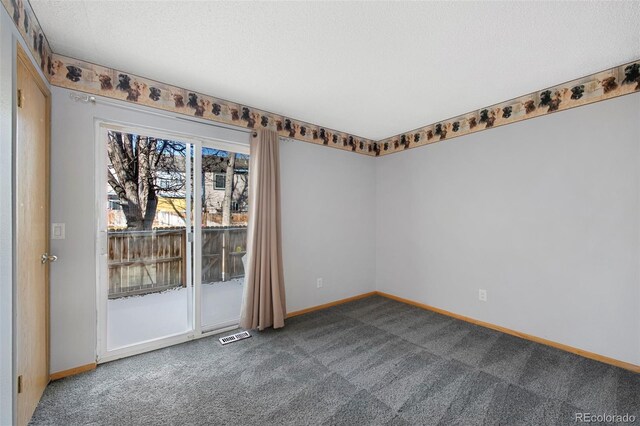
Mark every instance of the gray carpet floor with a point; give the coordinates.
(369, 362)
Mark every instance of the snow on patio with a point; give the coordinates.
(136, 319)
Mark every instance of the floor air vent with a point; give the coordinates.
(234, 337)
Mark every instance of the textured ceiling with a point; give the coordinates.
(373, 69)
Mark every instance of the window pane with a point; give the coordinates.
(224, 235)
(147, 256)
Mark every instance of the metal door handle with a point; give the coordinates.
(48, 258)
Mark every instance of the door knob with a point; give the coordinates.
(48, 258)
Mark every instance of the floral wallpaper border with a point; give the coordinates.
(614, 82)
(95, 79)
(103, 81)
(29, 28)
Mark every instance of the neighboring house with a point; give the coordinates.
(171, 208)
(169, 212)
(214, 189)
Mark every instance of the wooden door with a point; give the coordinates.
(32, 237)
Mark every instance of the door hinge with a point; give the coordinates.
(19, 98)
(20, 384)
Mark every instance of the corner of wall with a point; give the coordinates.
(547, 208)
(7, 402)
(376, 283)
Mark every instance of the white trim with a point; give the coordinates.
(101, 248)
(159, 133)
(155, 344)
(197, 242)
(205, 328)
(194, 274)
(189, 235)
(220, 327)
(165, 342)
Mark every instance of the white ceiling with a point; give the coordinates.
(373, 69)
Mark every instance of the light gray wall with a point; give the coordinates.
(73, 201)
(9, 38)
(6, 221)
(321, 190)
(543, 214)
(328, 219)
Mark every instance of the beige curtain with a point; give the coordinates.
(263, 302)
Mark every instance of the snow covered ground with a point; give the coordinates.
(137, 319)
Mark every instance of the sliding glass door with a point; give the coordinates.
(172, 232)
(223, 241)
(148, 243)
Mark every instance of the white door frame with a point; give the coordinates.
(101, 248)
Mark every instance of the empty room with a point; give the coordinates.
(319, 212)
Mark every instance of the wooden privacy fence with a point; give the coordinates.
(142, 262)
(222, 252)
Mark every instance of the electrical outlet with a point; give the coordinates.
(482, 295)
(319, 281)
